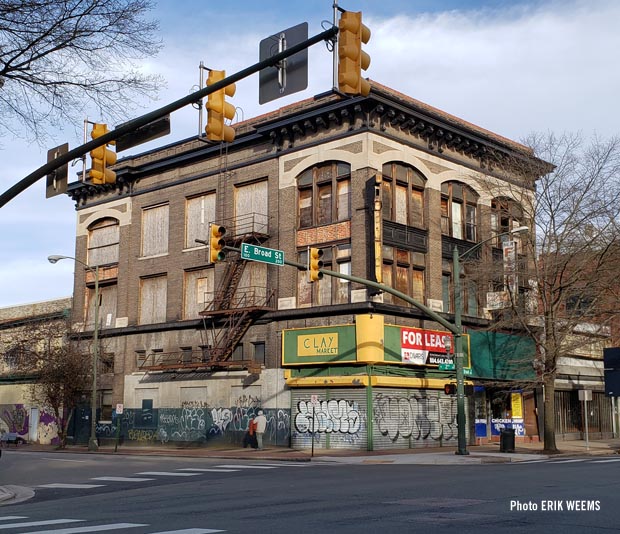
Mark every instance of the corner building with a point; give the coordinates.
(385, 186)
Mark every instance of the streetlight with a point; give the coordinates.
(458, 340)
(92, 442)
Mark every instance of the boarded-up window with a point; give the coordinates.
(198, 292)
(155, 230)
(103, 242)
(153, 299)
(199, 212)
(107, 306)
(252, 208)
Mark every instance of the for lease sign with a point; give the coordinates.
(424, 347)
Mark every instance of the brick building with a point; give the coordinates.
(386, 186)
(19, 412)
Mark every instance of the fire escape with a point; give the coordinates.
(233, 309)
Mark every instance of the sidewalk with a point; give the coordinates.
(573, 448)
(479, 454)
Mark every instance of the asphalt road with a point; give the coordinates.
(93, 493)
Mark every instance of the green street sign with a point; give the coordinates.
(266, 255)
(446, 367)
(467, 372)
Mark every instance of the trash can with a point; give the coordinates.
(507, 440)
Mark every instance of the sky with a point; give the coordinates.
(512, 67)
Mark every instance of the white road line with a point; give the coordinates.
(39, 523)
(62, 460)
(97, 528)
(208, 470)
(72, 486)
(190, 531)
(122, 479)
(568, 461)
(605, 461)
(13, 517)
(531, 462)
(167, 474)
(239, 466)
(288, 464)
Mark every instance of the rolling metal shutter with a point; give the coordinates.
(412, 418)
(337, 418)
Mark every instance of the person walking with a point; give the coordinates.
(261, 426)
(250, 435)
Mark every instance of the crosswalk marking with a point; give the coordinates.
(191, 531)
(167, 474)
(71, 486)
(96, 528)
(208, 470)
(239, 466)
(122, 479)
(86, 528)
(39, 523)
(287, 464)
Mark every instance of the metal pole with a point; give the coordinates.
(585, 409)
(458, 357)
(335, 50)
(92, 442)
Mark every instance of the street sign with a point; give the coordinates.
(450, 367)
(57, 180)
(266, 255)
(289, 75)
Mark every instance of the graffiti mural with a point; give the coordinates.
(195, 424)
(416, 417)
(328, 416)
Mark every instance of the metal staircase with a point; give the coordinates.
(233, 309)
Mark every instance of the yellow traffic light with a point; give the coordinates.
(351, 58)
(102, 157)
(216, 243)
(314, 264)
(218, 109)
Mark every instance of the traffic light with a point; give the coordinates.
(218, 109)
(351, 58)
(216, 243)
(102, 158)
(314, 264)
(449, 389)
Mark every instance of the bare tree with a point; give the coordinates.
(561, 288)
(58, 369)
(59, 58)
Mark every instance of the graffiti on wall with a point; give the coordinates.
(415, 417)
(14, 418)
(328, 416)
(195, 424)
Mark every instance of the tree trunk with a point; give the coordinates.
(550, 446)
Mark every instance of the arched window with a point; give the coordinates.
(403, 194)
(459, 211)
(103, 236)
(324, 194)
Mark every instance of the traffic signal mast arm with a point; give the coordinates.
(369, 283)
(143, 120)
